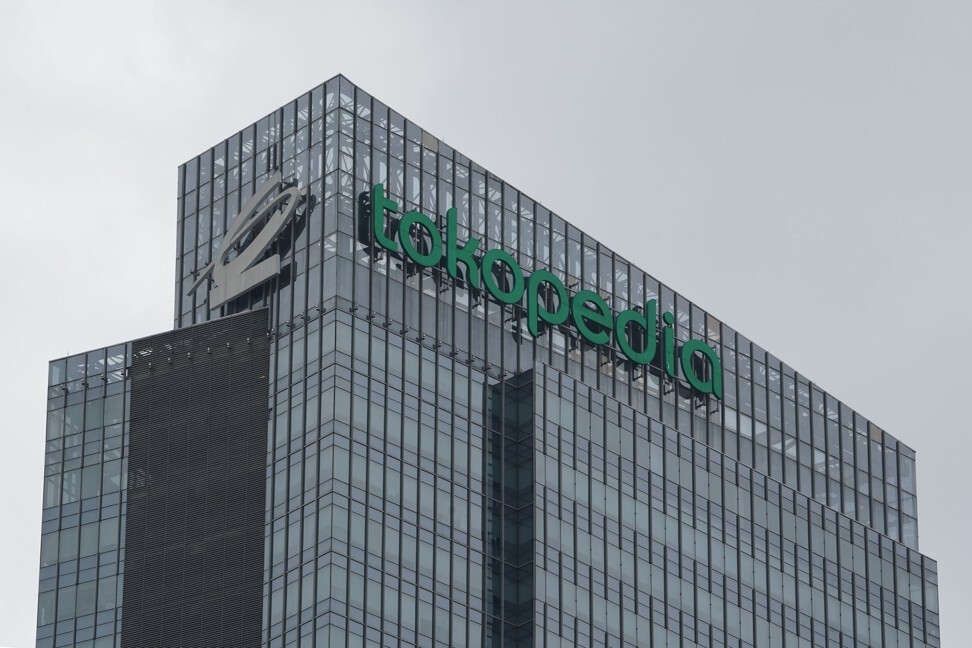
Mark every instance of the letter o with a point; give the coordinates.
(500, 256)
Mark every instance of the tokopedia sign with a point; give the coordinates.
(548, 302)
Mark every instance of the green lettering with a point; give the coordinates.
(489, 279)
(379, 203)
(714, 384)
(434, 254)
(593, 323)
(536, 311)
(648, 323)
(668, 336)
(548, 300)
(465, 254)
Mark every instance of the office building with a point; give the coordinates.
(404, 404)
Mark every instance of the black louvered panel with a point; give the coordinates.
(196, 486)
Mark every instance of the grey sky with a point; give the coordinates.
(799, 169)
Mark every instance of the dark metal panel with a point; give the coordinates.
(196, 485)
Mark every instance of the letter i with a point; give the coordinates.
(669, 338)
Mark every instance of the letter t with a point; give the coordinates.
(379, 203)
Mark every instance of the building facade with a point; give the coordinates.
(482, 428)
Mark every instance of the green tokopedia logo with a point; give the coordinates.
(548, 303)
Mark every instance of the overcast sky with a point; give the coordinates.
(802, 170)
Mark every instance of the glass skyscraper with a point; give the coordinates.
(404, 404)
